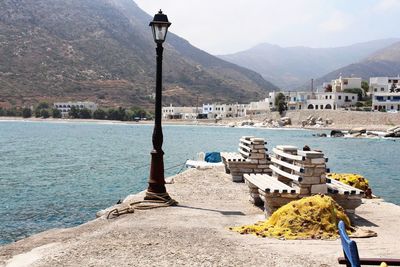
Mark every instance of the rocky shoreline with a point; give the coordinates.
(196, 233)
(323, 119)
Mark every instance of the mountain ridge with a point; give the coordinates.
(384, 62)
(291, 67)
(102, 50)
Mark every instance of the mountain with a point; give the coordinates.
(292, 67)
(385, 62)
(103, 50)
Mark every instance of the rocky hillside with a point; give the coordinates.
(103, 50)
(385, 62)
(292, 67)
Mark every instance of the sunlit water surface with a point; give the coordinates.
(61, 174)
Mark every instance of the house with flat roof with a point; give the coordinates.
(385, 93)
(65, 107)
(186, 113)
(341, 84)
(315, 100)
(219, 110)
(332, 100)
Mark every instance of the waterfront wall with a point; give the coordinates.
(344, 117)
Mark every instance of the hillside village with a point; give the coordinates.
(345, 93)
(383, 94)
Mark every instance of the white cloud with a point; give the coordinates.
(337, 22)
(386, 5)
(226, 26)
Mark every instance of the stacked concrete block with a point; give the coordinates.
(345, 195)
(290, 150)
(313, 173)
(252, 158)
(233, 162)
(305, 172)
(282, 166)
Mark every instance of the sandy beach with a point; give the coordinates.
(342, 120)
(195, 233)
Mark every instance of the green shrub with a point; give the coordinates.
(280, 103)
(99, 114)
(85, 113)
(359, 104)
(73, 113)
(45, 113)
(26, 113)
(55, 113)
(357, 91)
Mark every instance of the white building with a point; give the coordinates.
(294, 100)
(341, 84)
(318, 100)
(219, 111)
(259, 107)
(186, 113)
(332, 100)
(385, 93)
(298, 100)
(208, 108)
(224, 111)
(65, 107)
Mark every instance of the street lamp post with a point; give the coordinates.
(156, 187)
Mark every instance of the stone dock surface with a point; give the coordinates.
(195, 233)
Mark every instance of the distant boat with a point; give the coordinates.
(209, 159)
(200, 163)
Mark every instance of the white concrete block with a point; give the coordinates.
(319, 189)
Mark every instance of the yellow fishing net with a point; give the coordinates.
(352, 179)
(314, 217)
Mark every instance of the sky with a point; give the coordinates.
(229, 26)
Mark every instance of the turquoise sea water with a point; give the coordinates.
(61, 174)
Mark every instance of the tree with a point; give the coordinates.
(45, 113)
(359, 104)
(73, 112)
(357, 91)
(43, 105)
(122, 114)
(55, 113)
(26, 113)
(112, 114)
(280, 103)
(393, 88)
(85, 113)
(138, 112)
(328, 88)
(2, 112)
(365, 86)
(99, 114)
(40, 107)
(117, 114)
(368, 102)
(11, 112)
(38, 113)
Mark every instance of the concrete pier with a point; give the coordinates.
(195, 233)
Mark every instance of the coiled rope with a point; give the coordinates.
(159, 200)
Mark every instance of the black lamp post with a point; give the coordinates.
(156, 187)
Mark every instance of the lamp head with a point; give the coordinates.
(159, 26)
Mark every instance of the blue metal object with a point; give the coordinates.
(349, 246)
(213, 157)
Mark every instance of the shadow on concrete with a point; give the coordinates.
(357, 220)
(223, 212)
